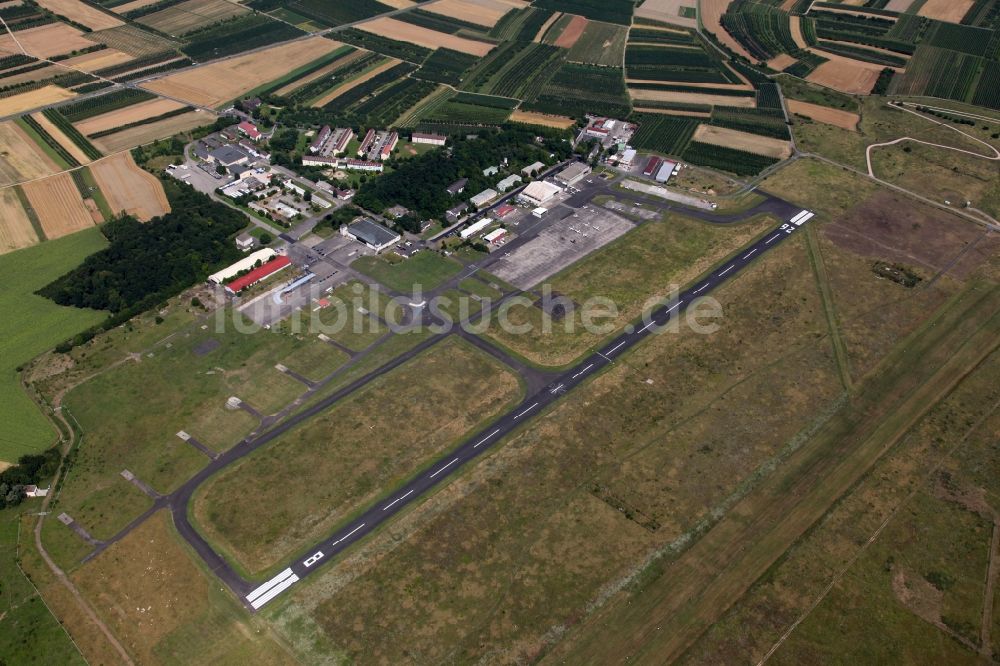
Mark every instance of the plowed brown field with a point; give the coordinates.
(128, 188)
(58, 205)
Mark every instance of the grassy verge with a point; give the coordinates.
(375, 439)
(427, 269)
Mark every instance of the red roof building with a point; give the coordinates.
(503, 211)
(256, 275)
(249, 129)
(652, 166)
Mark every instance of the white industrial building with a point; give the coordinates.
(627, 158)
(484, 198)
(475, 227)
(244, 264)
(574, 173)
(533, 169)
(508, 182)
(539, 192)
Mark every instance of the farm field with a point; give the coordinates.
(484, 12)
(129, 189)
(752, 143)
(143, 134)
(16, 230)
(127, 115)
(431, 39)
(75, 151)
(133, 40)
(190, 15)
(90, 62)
(81, 13)
(58, 205)
(219, 82)
(378, 457)
(371, 73)
(645, 94)
(711, 18)
(570, 29)
(21, 158)
(845, 75)
(600, 44)
(946, 10)
(323, 71)
(542, 119)
(824, 114)
(32, 325)
(33, 99)
(46, 41)
(667, 11)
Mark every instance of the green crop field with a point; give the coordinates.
(32, 324)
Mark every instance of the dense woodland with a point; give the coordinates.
(147, 263)
(420, 183)
(29, 470)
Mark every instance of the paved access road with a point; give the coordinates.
(312, 559)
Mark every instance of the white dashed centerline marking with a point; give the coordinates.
(346, 536)
(727, 270)
(444, 468)
(398, 499)
(583, 371)
(748, 254)
(615, 348)
(483, 440)
(699, 288)
(523, 413)
(769, 240)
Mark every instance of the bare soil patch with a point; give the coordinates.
(129, 114)
(545, 27)
(753, 143)
(572, 32)
(137, 136)
(59, 136)
(222, 81)
(15, 227)
(711, 18)
(58, 205)
(824, 114)
(33, 99)
(891, 227)
(845, 75)
(128, 188)
(545, 120)
(340, 90)
(20, 157)
(46, 41)
(691, 98)
(431, 39)
(780, 62)
(483, 12)
(90, 62)
(78, 12)
(946, 10)
(668, 11)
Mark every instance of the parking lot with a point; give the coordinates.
(569, 235)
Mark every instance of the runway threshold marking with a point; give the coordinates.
(483, 440)
(583, 371)
(445, 467)
(259, 591)
(398, 499)
(526, 411)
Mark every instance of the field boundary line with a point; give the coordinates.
(829, 307)
(875, 535)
